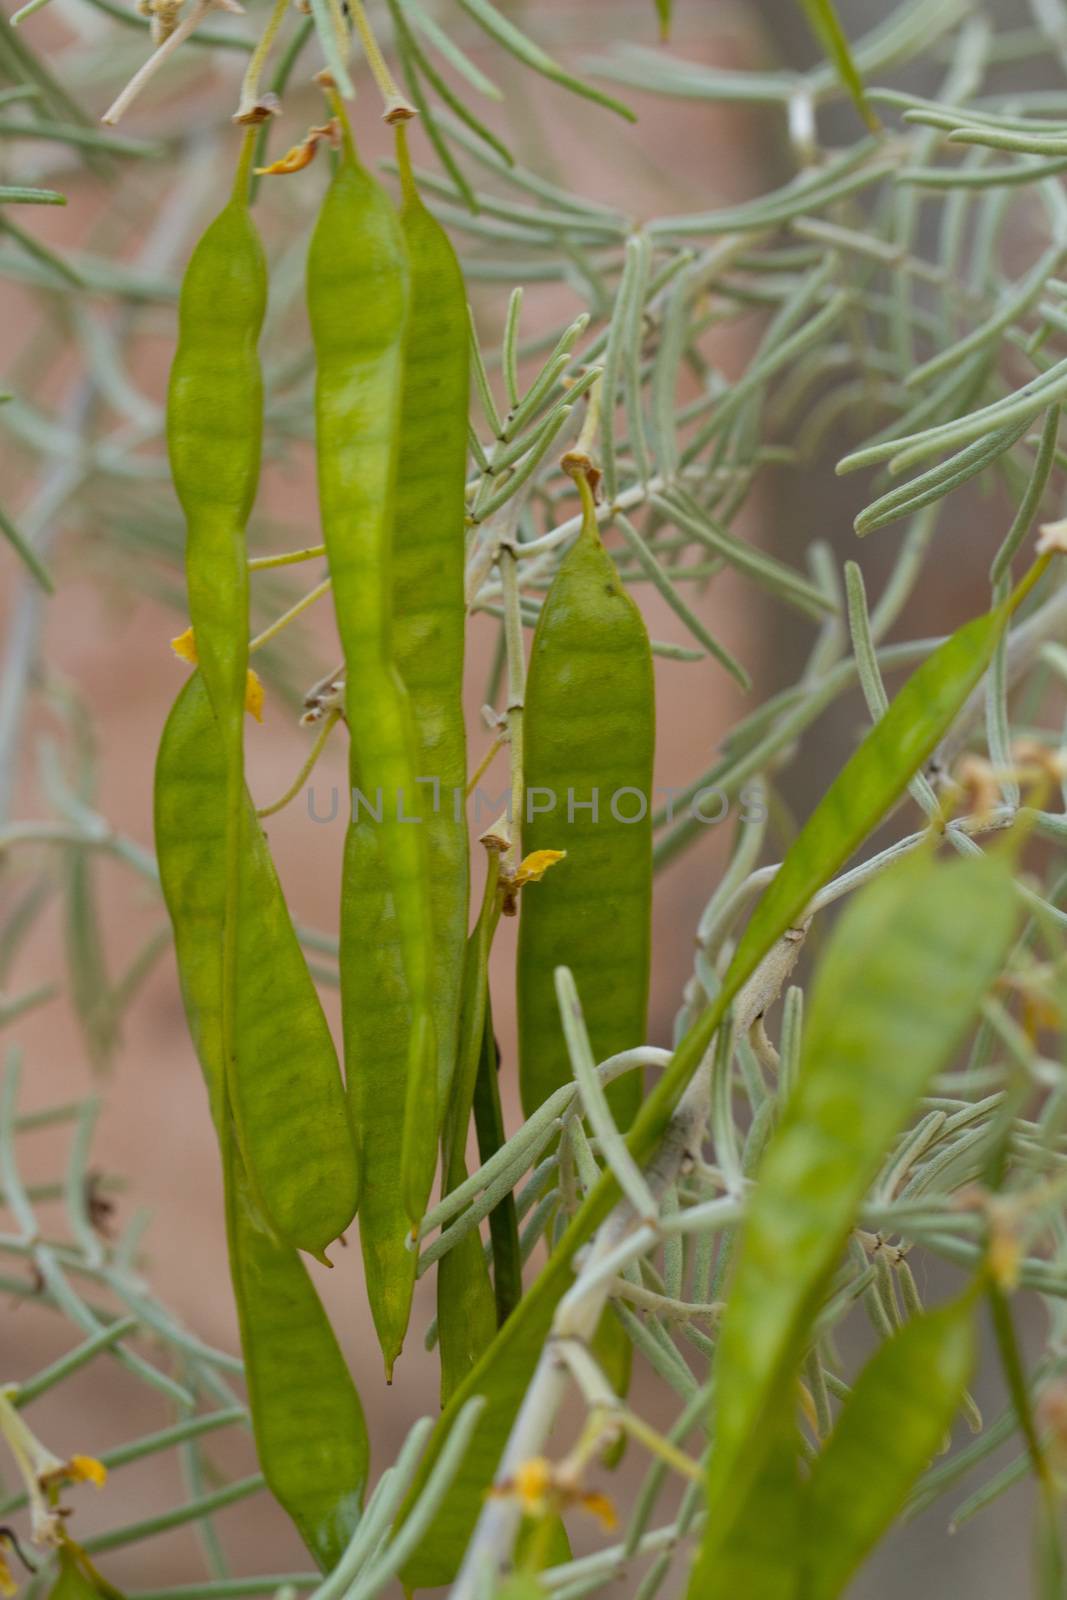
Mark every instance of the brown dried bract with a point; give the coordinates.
(577, 463)
(100, 1207)
(301, 155)
(267, 105)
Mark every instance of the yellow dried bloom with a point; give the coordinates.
(533, 1483)
(184, 647)
(301, 155)
(534, 866)
(8, 1586)
(254, 695)
(86, 1469)
(542, 1488)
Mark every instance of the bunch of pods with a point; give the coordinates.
(300, 1148)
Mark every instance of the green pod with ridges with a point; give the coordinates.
(428, 642)
(214, 441)
(589, 733)
(358, 285)
(311, 1437)
(429, 611)
(284, 1076)
(376, 1017)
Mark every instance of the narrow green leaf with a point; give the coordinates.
(872, 780)
(663, 12)
(1049, 1539)
(864, 791)
(513, 40)
(939, 481)
(901, 978)
(95, 275)
(19, 194)
(27, 10)
(408, 52)
(419, 59)
(40, 252)
(72, 133)
(450, 50)
(826, 26)
(332, 46)
(25, 66)
(898, 1413)
(26, 553)
(90, 984)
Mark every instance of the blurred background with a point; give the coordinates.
(88, 675)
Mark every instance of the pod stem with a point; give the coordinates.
(243, 178)
(306, 770)
(403, 161)
(1028, 581)
(585, 494)
(248, 108)
(337, 107)
(397, 108)
(289, 616)
(579, 463)
(516, 664)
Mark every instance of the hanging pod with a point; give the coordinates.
(589, 734)
(282, 1084)
(387, 314)
(309, 1427)
(429, 609)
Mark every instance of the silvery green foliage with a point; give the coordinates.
(909, 323)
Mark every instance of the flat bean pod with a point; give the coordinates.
(285, 1078)
(214, 436)
(427, 641)
(358, 295)
(589, 741)
(283, 1087)
(311, 1436)
(429, 610)
(308, 1422)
